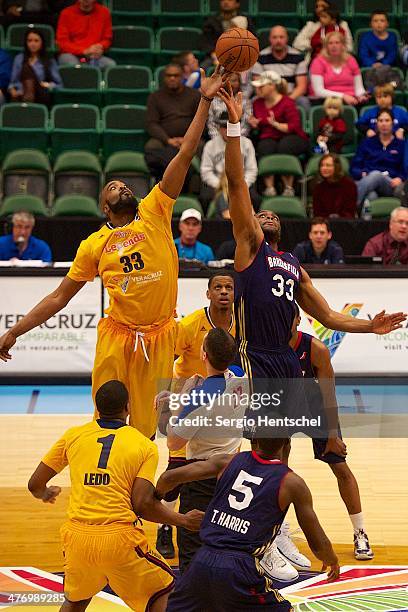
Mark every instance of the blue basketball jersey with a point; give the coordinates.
(264, 299)
(244, 514)
(303, 349)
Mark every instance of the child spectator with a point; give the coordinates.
(331, 127)
(329, 19)
(384, 97)
(378, 46)
(190, 67)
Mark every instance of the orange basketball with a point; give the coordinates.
(237, 50)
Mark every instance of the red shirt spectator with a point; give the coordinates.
(335, 195)
(80, 28)
(284, 111)
(391, 245)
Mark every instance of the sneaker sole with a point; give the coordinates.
(364, 556)
(271, 577)
(296, 565)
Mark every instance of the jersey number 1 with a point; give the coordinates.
(106, 449)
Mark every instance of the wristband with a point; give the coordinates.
(207, 98)
(233, 129)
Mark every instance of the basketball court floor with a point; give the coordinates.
(31, 419)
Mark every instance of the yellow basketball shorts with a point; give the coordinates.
(117, 359)
(96, 555)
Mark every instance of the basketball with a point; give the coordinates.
(237, 50)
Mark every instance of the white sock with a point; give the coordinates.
(357, 521)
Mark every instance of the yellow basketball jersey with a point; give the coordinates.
(137, 263)
(104, 458)
(190, 334)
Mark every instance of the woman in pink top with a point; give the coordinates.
(336, 73)
(277, 119)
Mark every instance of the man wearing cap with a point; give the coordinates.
(187, 245)
(288, 62)
(212, 169)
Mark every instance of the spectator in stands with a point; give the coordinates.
(379, 166)
(378, 46)
(217, 107)
(287, 62)
(212, 169)
(34, 74)
(84, 34)
(335, 195)
(228, 17)
(20, 244)
(320, 248)
(329, 19)
(190, 67)
(279, 124)
(336, 73)
(391, 245)
(170, 111)
(5, 73)
(187, 245)
(332, 127)
(384, 97)
(303, 39)
(26, 11)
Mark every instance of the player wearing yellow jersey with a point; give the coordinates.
(135, 256)
(190, 335)
(112, 468)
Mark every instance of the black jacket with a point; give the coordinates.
(212, 30)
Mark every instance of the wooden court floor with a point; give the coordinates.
(30, 529)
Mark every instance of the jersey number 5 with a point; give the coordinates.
(106, 449)
(134, 262)
(283, 287)
(243, 489)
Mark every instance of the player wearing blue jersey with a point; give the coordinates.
(253, 493)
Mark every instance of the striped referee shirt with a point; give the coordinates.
(291, 66)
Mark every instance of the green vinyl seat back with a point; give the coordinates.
(127, 84)
(81, 83)
(76, 205)
(21, 125)
(309, 8)
(2, 38)
(130, 168)
(212, 210)
(312, 166)
(279, 164)
(123, 128)
(350, 117)
(360, 11)
(16, 33)
(29, 203)
(382, 207)
(132, 12)
(279, 12)
(74, 127)
(133, 45)
(77, 172)
(26, 171)
(171, 41)
(184, 203)
(285, 207)
(180, 13)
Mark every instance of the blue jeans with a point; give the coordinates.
(102, 62)
(376, 185)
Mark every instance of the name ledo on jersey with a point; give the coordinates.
(96, 479)
(230, 521)
(277, 262)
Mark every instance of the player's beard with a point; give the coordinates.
(127, 203)
(272, 236)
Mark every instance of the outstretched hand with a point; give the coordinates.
(234, 105)
(6, 342)
(212, 84)
(386, 323)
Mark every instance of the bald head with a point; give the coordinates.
(278, 38)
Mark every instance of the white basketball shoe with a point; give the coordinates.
(276, 567)
(289, 550)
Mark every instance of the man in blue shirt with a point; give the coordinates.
(320, 248)
(188, 247)
(20, 244)
(378, 46)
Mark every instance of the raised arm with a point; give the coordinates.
(247, 231)
(312, 302)
(175, 174)
(294, 490)
(49, 306)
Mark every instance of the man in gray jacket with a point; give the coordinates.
(212, 171)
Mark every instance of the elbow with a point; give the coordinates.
(32, 485)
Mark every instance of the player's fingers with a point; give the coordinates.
(202, 73)
(239, 97)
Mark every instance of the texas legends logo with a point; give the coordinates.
(332, 338)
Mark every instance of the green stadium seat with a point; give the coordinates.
(358, 33)
(133, 45)
(77, 172)
(73, 127)
(16, 34)
(2, 38)
(170, 41)
(383, 207)
(350, 137)
(26, 171)
(21, 125)
(279, 12)
(129, 167)
(246, 7)
(132, 12)
(279, 164)
(81, 83)
(360, 12)
(127, 84)
(180, 13)
(123, 128)
(158, 76)
(78, 205)
(184, 203)
(309, 7)
(28, 203)
(212, 210)
(312, 166)
(263, 36)
(285, 207)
